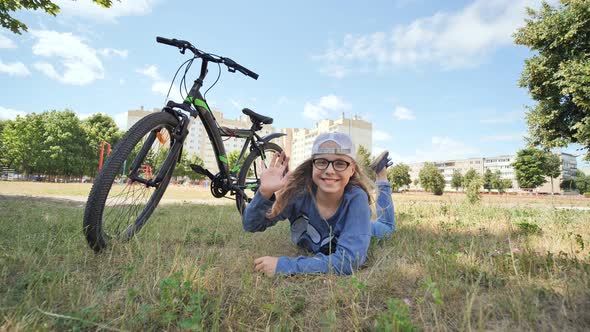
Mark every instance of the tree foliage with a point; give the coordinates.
(431, 179)
(582, 182)
(529, 167)
(457, 179)
(552, 167)
(399, 176)
(469, 176)
(8, 7)
(472, 190)
(363, 159)
(488, 178)
(55, 143)
(558, 75)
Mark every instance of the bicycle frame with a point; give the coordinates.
(195, 105)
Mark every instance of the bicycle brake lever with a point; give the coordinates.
(231, 70)
(182, 50)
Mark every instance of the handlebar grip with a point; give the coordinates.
(250, 73)
(166, 41)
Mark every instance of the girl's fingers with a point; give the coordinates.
(273, 161)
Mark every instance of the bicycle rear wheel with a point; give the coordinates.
(119, 205)
(249, 176)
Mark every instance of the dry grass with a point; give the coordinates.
(448, 267)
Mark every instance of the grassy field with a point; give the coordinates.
(448, 267)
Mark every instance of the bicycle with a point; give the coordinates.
(153, 146)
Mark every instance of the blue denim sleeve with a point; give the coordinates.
(351, 249)
(254, 218)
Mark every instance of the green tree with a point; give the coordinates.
(183, 168)
(3, 156)
(582, 182)
(469, 176)
(487, 180)
(22, 141)
(472, 190)
(457, 179)
(529, 167)
(8, 7)
(65, 144)
(497, 182)
(99, 128)
(431, 179)
(552, 167)
(196, 160)
(507, 183)
(557, 76)
(363, 159)
(399, 176)
(232, 159)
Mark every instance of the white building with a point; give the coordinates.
(298, 142)
(503, 164)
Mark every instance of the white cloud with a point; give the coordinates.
(314, 112)
(334, 103)
(150, 71)
(326, 107)
(379, 135)
(80, 63)
(458, 39)
(403, 113)
(114, 52)
(442, 148)
(89, 9)
(503, 138)
(6, 42)
(9, 114)
(14, 69)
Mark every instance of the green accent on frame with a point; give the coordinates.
(251, 186)
(198, 102)
(223, 159)
(236, 168)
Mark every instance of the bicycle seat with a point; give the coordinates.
(255, 117)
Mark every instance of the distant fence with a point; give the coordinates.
(7, 174)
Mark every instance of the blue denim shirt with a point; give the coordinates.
(339, 243)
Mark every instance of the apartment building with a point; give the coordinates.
(197, 142)
(135, 115)
(503, 164)
(298, 141)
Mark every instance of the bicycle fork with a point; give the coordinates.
(178, 135)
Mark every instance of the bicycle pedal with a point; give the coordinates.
(200, 170)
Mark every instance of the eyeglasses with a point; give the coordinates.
(338, 164)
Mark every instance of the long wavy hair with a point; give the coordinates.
(301, 182)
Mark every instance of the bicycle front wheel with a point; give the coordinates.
(119, 203)
(249, 176)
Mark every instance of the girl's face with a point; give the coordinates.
(329, 173)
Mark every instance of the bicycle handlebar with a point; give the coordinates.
(231, 64)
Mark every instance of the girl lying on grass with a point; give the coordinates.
(328, 201)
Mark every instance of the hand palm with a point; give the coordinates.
(273, 177)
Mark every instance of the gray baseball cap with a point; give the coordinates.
(333, 143)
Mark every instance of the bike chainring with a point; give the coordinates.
(218, 186)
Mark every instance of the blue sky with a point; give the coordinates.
(438, 79)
